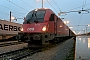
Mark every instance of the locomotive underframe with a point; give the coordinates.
(38, 39)
(41, 39)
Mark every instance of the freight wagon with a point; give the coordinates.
(8, 29)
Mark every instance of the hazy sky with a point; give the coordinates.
(20, 8)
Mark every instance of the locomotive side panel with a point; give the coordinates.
(48, 14)
(50, 21)
(62, 29)
(51, 27)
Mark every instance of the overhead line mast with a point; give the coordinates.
(10, 16)
(42, 3)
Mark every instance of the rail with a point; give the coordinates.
(18, 54)
(10, 43)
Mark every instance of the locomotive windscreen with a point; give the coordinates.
(35, 16)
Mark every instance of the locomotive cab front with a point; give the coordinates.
(35, 28)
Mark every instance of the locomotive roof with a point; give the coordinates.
(46, 9)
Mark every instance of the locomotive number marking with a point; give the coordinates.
(37, 24)
(30, 29)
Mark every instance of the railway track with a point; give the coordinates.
(18, 54)
(10, 43)
(21, 53)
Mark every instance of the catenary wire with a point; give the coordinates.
(52, 6)
(17, 5)
(11, 9)
(56, 5)
(4, 12)
(77, 7)
(84, 3)
(27, 4)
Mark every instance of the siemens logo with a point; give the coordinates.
(9, 27)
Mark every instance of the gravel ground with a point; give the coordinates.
(59, 52)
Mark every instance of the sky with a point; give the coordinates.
(20, 8)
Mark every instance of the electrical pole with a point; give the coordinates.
(86, 29)
(10, 16)
(69, 32)
(42, 3)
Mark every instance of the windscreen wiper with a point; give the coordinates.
(36, 18)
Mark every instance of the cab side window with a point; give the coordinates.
(51, 17)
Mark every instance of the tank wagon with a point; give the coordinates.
(41, 26)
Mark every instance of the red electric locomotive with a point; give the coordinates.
(41, 26)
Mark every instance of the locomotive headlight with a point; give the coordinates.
(44, 28)
(21, 29)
